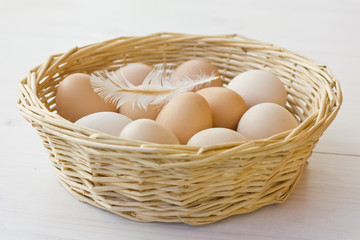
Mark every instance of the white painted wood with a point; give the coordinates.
(325, 204)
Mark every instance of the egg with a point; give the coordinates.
(265, 120)
(193, 69)
(259, 86)
(149, 131)
(226, 106)
(215, 136)
(185, 115)
(135, 112)
(135, 73)
(108, 122)
(75, 98)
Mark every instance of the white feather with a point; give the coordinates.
(157, 88)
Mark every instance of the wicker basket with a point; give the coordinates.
(175, 183)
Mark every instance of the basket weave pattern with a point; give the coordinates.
(175, 183)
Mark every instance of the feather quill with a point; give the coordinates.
(157, 88)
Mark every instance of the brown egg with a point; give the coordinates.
(185, 115)
(136, 112)
(75, 98)
(265, 120)
(227, 106)
(134, 73)
(195, 68)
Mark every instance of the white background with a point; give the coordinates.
(325, 204)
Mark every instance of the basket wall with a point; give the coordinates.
(151, 182)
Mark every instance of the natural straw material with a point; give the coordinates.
(149, 182)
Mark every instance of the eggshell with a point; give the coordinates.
(185, 115)
(226, 106)
(193, 69)
(134, 73)
(265, 120)
(215, 136)
(258, 86)
(75, 98)
(136, 112)
(149, 131)
(108, 122)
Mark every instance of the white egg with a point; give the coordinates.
(215, 136)
(108, 122)
(258, 86)
(149, 131)
(265, 120)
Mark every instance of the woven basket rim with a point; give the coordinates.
(92, 137)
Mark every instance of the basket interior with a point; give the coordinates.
(303, 83)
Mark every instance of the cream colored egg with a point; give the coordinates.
(149, 131)
(108, 122)
(75, 98)
(265, 120)
(215, 136)
(226, 106)
(258, 86)
(195, 68)
(185, 115)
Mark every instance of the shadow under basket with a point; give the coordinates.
(176, 183)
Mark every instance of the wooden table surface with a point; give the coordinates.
(324, 205)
